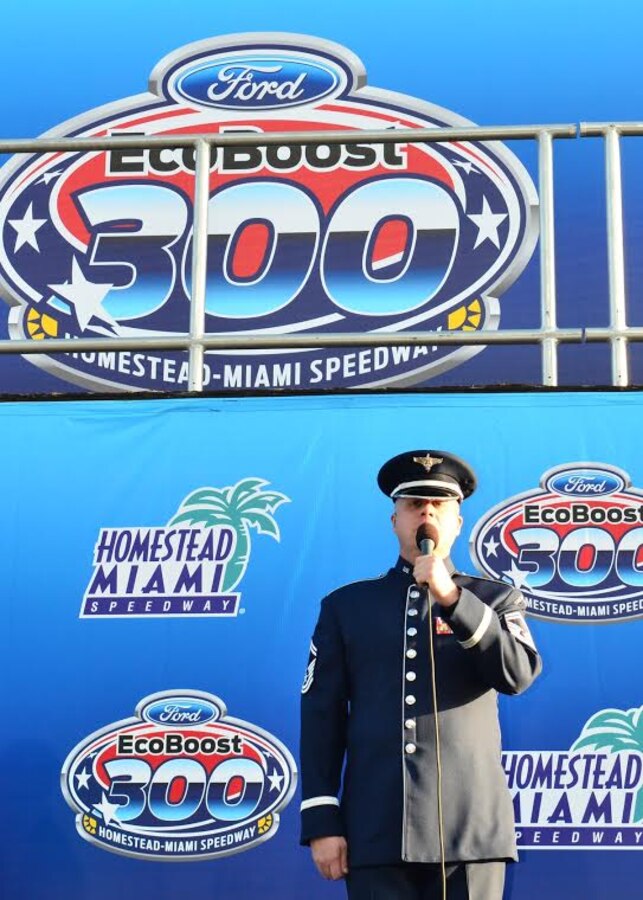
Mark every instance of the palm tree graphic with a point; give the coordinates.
(617, 730)
(243, 506)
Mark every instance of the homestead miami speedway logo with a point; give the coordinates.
(180, 780)
(332, 238)
(189, 567)
(589, 797)
(574, 546)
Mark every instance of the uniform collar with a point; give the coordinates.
(406, 568)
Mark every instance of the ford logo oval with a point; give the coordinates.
(257, 82)
(585, 483)
(180, 711)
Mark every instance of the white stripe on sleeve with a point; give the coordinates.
(478, 634)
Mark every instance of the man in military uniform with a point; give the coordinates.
(408, 808)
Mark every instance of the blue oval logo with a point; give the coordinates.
(179, 712)
(339, 237)
(257, 82)
(571, 545)
(233, 780)
(585, 483)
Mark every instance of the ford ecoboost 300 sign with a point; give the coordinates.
(333, 238)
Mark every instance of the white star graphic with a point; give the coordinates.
(107, 810)
(26, 229)
(487, 223)
(467, 167)
(275, 781)
(49, 176)
(83, 779)
(491, 546)
(86, 297)
(517, 575)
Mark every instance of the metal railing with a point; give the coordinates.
(548, 335)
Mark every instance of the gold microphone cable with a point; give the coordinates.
(438, 755)
(426, 538)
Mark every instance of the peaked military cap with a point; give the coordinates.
(432, 474)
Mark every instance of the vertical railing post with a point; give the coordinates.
(547, 258)
(616, 256)
(199, 265)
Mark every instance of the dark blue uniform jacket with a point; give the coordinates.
(367, 705)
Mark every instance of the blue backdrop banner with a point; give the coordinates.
(164, 561)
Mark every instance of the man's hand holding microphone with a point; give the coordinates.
(431, 571)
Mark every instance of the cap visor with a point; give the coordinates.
(428, 493)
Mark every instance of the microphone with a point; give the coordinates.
(426, 537)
